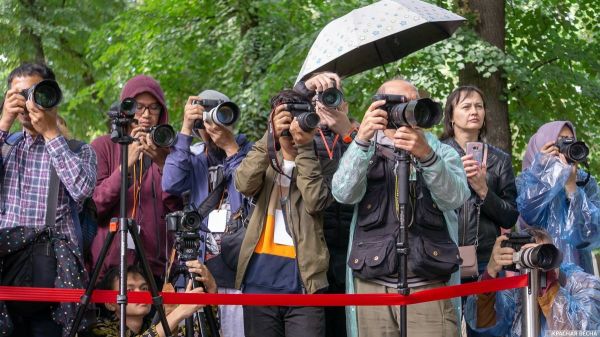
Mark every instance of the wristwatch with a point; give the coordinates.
(349, 137)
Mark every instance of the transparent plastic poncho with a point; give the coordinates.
(576, 306)
(572, 221)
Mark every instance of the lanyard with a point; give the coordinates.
(329, 151)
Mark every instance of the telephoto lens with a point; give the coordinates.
(224, 114)
(423, 112)
(46, 94)
(545, 257)
(331, 97)
(162, 135)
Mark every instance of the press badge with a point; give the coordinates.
(217, 219)
(281, 236)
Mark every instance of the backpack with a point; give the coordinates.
(86, 220)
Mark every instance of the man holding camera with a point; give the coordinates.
(332, 138)
(367, 177)
(220, 154)
(284, 249)
(570, 299)
(28, 166)
(147, 202)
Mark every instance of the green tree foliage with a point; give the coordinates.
(251, 49)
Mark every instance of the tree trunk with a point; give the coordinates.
(490, 26)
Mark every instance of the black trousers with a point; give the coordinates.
(275, 321)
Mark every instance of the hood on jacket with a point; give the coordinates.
(142, 83)
(544, 134)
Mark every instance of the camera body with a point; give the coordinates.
(46, 94)
(305, 114)
(218, 112)
(162, 135)
(186, 226)
(423, 112)
(574, 151)
(331, 97)
(544, 256)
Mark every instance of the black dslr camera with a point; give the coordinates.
(187, 226)
(423, 112)
(306, 115)
(46, 94)
(545, 256)
(218, 112)
(573, 150)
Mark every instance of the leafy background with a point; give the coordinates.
(251, 49)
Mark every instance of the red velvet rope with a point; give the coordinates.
(108, 296)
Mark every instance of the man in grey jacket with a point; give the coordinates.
(365, 178)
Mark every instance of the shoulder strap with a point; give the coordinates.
(52, 202)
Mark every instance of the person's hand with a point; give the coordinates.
(281, 120)
(158, 154)
(14, 104)
(184, 311)
(134, 150)
(501, 256)
(550, 149)
(322, 81)
(412, 140)
(191, 113)
(203, 275)
(43, 121)
(300, 136)
(375, 119)
(476, 175)
(335, 119)
(223, 138)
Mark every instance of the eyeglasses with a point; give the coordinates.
(153, 108)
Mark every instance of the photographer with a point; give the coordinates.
(284, 250)
(365, 178)
(570, 300)
(222, 151)
(147, 203)
(332, 138)
(26, 170)
(555, 194)
(138, 320)
(492, 204)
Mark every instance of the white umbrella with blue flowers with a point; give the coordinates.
(377, 34)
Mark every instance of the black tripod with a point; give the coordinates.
(402, 173)
(119, 134)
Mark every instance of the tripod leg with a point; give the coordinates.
(211, 320)
(156, 298)
(85, 298)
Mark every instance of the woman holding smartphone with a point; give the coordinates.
(492, 204)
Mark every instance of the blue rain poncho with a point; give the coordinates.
(574, 306)
(572, 220)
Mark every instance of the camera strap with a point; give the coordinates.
(213, 199)
(326, 144)
(587, 177)
(273, 147)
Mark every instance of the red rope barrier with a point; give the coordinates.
(108, 296)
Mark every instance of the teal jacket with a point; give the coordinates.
(445, 179)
